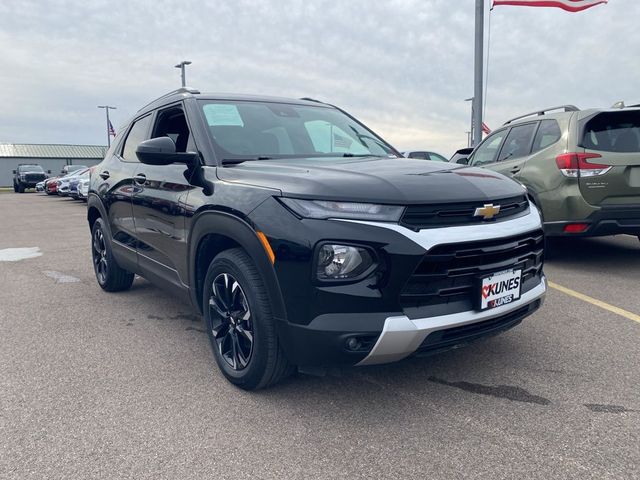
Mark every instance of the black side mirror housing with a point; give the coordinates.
(49, 172)
(14, 172)
(162, 151)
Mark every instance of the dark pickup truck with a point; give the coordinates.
(27, 176)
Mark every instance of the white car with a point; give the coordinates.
(425, 155)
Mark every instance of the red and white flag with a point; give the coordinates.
(568, 5)
(485, 129)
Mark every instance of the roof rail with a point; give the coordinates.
(309, 99)
(566, 108)
(172, 92)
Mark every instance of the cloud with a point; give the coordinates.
(402, 67)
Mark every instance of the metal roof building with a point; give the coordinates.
(50, 156)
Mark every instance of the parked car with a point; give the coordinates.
(305, 239)
(424, 155)
(27, 176)
(51, 185)
(462, 155)
(83, 188)
(64, 183)
(74, 183)
(40, 186)
(582, 167)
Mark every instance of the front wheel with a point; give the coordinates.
(20, 188)
(110, 276)
(240, 324)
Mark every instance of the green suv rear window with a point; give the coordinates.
(613, 132)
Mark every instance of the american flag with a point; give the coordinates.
(112, 131)
(568, 5)
(485, 129)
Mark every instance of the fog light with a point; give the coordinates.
(353, 344)
(338, 262)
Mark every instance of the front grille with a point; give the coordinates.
(419, 217)
(448, 273)
(34, 177)
(452, 337)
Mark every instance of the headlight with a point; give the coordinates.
(342, 262)
(322, 209)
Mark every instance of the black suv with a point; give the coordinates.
(305, 239)
(27, 176)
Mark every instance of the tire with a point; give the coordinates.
(250, 331)
(15, 187)
(109, 275)
(20, 188)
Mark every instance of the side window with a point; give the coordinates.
(518, 142)
(421, 155)
(173, 124)
(548, 134)
(488, 151)
(137, 134)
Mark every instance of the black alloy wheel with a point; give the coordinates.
(99, 251)
(231, 321)
(111, 277)
(240, 324)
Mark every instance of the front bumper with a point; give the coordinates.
(402, 336)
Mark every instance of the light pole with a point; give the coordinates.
(181, 66)
(471, 128)
(107, 108)
(476, 135)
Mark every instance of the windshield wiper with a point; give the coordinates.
(236, 161)
(359, 155)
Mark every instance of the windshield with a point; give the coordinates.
(31, 168)
(261, 130)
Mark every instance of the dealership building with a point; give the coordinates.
(51, 157)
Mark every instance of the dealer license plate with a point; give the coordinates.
(500, 288)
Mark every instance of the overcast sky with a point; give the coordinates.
(401, 66)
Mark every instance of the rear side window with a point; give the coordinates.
(137, 134)
(548, 134)
(421, 155)
(613, 132)
(518, 142)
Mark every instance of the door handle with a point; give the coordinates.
(104, 175)
(140, 178)
(515, 169)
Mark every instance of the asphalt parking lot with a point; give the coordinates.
(98, 385)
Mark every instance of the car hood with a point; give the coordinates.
(377, 179)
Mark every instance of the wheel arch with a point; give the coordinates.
(213, 232)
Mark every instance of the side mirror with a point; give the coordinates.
(49, 172)
(14, 172)
(463, 161)
(162, 151)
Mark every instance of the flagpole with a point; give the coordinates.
(478, 75)
(107, 108)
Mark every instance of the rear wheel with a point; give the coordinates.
(240, 324)
(110, 276)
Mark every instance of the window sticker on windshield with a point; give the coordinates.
(222, 114)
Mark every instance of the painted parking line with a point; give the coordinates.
(596, 302)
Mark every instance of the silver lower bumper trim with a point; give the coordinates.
(402, 336)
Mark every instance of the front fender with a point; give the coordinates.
(240, 232)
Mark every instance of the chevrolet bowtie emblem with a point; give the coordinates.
(488, 211)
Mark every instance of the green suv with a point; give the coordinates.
(581, 167)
